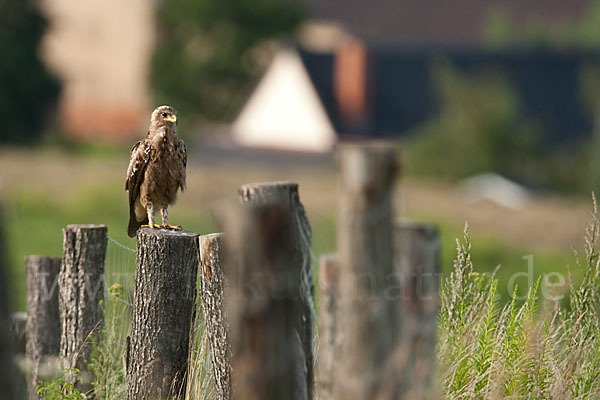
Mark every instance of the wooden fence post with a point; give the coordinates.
(370, 317)
(263, 304)
(43, 319)
(212, 286)
(81, 287)
(328, 324)
(18, 332)
(418, 266)
(298, 235)
(10, 378)
(165, 289)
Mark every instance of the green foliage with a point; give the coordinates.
(537, 349)
(62, 388)
(27, 92)
(502, 30)
(479, 128)
(108, 353)
(204, 59)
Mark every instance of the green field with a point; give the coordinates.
(34, 222)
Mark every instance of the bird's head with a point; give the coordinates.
(164, 116)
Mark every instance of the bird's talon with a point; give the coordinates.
(151, 226)
(171, 227)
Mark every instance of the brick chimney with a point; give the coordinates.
(351, 84)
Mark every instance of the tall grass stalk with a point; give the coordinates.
(533, 349)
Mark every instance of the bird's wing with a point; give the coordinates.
(138, 162)
(182, 153)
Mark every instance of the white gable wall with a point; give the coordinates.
(285, 110)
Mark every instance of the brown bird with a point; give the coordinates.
(156, 172)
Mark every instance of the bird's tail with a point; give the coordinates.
(134, 224)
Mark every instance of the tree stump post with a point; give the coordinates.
(81, 288)
(328, 324)
(263, 304)
(418, 268)
(299, 236)
(369, 316)
(165, 289)
(43, 318)
(10, 378)
(18, 332)
(212, 286)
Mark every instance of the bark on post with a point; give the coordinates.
(165, 289)
(298, 237)
(369, 314)
(18, 332)
(212, 285)
(81, 288)
(263, 304)
(43, 319)
(328, 324)
(418, 268)
(9, 375)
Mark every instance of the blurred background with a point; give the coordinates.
(494, 106)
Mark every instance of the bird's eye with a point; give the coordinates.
(164, 115)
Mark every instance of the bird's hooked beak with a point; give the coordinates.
(172, 118)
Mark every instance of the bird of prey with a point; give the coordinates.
(156, 172)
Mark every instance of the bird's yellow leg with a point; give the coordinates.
(165, 220)
(151, 223)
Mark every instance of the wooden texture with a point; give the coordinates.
(81, 288)
(418, 268)
(9, 376)
(328, 324)
(263, 304)
(298, 237)
(165, 287)
(370, 317)
(212, 286)
(43, 318)
(18, 332)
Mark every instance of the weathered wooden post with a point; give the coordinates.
(43, 319)
(81, 287)
(328, 324)
(18, 331)
(418, 268)
(370, 317)
(165, 289)
(263, 303)
(298, 236)
(212, 286)
(9, 375)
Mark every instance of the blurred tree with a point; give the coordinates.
(502, 30)
(479, 128)
(28, 92)
(203, 58)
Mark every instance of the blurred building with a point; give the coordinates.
(435, 22)
(371, 68)
(101, 49)
(360, 69)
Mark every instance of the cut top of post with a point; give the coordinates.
(367, 168)
(166, 232)
(85, 226)
(267, 191)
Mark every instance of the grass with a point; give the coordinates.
(538, 348)
(35, 218)
(36, 221)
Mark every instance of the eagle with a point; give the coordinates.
(156, 172)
